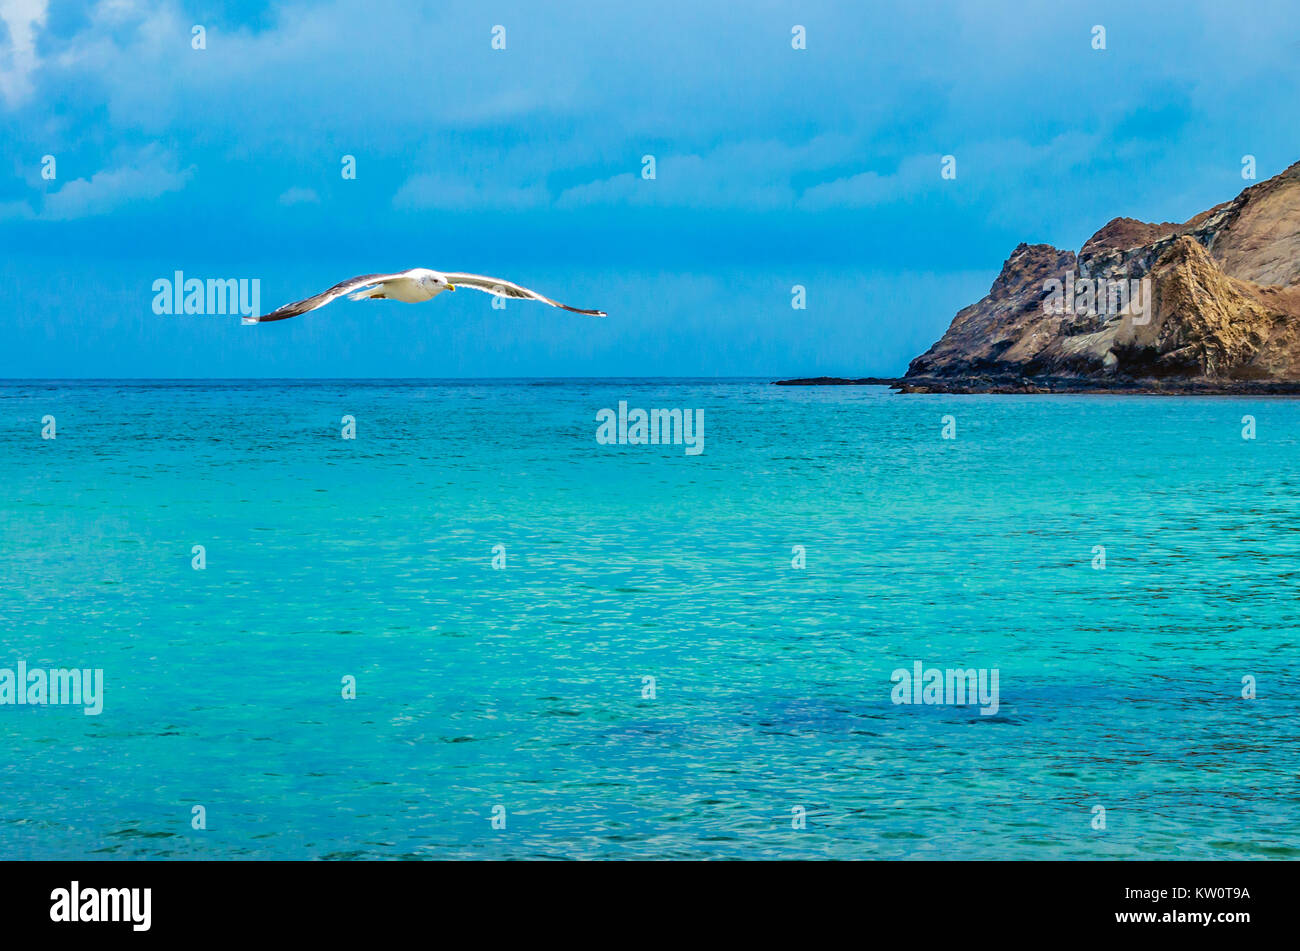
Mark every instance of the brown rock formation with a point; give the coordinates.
(1214, 301)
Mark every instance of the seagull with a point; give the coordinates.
(415, 286)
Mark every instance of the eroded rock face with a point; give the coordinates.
(1257, 237)
(1204, 323)
(1216, 298)
(1008, 327)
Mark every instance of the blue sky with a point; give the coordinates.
(774, 167)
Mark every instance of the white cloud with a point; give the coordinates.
(150, 175)
(865, 189)
(855, 191)
(300, 196)
(22, 20)
(751, 174)
(436, 191)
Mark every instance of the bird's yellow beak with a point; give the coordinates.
(451, 287)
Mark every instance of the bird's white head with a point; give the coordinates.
(433, 280)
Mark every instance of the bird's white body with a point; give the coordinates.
(414, 287)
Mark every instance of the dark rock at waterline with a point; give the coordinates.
(838, 381)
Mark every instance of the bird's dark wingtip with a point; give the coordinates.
(283, 313)
(579, 310)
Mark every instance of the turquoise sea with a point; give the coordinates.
(524, 687)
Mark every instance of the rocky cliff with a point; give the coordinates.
(1211, 304)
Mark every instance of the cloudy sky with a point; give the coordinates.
(774, 166)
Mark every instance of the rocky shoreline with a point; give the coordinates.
(1210, 306)
(1062, 385)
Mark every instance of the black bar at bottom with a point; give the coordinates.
(1219, 901)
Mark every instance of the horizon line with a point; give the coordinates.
(366, 379)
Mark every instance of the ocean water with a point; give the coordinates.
(524, 688)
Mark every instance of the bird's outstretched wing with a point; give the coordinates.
(323, 298)
(494, 285)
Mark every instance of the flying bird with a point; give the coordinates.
(415, 286)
